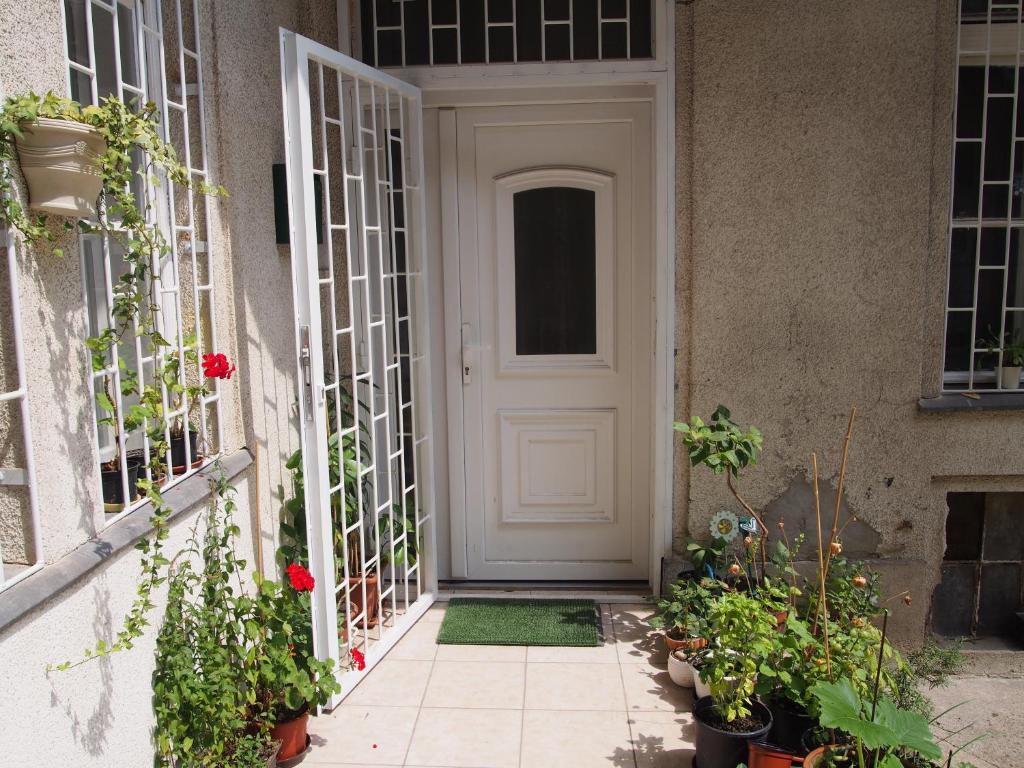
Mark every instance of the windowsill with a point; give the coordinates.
(27, 595)
(987, 401)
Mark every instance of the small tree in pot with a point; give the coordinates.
(730, 717)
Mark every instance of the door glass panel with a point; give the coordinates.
(556, 271)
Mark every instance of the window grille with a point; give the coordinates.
(407, 33)
(142, 51)
(20, 538)
(985, 291)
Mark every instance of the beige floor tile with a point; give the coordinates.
(474, 738)
(662, 739)
(362, 735)
(598, 654)
(637, 642)
(476, 685)
(649, 688)
(392, 683)
(435, 613)
(576, 740)
(481, 653)
(579, 686)
(418, 644)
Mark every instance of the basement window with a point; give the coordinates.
(980, 594)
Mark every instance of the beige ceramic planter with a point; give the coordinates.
(1009, 377)
(59, 159)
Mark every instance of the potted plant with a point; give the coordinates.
(875, 733)
(291, 680)
(113, 481)
(1010, 349)
(683, 613)
(731, 717)
(59, 149)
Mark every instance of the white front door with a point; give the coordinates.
(555, 253)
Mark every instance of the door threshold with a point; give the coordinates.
(599, 591)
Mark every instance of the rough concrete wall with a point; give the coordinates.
(812, 261)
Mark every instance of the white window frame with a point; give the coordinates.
(984, 44)
(419, 74)
(18, 397)
(152, 43)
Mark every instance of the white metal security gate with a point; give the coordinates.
(354, 158)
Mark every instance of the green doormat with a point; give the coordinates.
(495, 621)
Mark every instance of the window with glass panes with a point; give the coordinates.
(984, 342)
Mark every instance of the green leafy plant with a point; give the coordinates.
(707, 558)
(685, 610)
(744, 633)
(1011, 345)
(879, 731)
(233, 657)
(930, 665)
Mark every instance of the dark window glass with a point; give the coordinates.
(993, 246)
(640, 29)
(556, 271)
(961, 267)
(556, 42)
(966, 172)
(446, 46)
(958, 341)
(969, 100)
(417, 33)
(502, 44)
(528, 30)
(964, 525)
(613, 41)
(471, 21)
(998, 139)
(584, 29)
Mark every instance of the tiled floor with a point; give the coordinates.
(514, 707)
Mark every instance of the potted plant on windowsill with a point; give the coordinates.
(1009, 353)
(731, 716)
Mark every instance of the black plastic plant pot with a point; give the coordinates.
(178, 449)
(789, 723)
(725, 749)
(113, 490)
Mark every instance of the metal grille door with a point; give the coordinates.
(354, 160)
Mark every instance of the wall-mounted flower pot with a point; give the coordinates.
(762, 755)
(356, 598)
(113, 489)
(718, 747)
(178, 452)
(680, 670)
(789, 723)
(292, 735)
(60, 162)
(1009, 377)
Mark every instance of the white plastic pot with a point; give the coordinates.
(1009, 377)
(60, 162)
(680, 670)
(700, 688)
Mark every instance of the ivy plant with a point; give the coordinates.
(134, 149)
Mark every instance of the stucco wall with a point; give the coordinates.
(813, 173)
(100, 713)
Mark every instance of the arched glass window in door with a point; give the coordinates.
(555, 271)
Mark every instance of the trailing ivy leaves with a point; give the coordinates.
(890, 731)
(134, 150)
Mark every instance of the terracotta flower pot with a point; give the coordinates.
(780, 618)
(761, 755)
(814, 757)
(372, 598)
(688, 644)
(60, 161)
(292, 735)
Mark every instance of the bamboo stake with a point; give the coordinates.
(839, 489)
(822, 605)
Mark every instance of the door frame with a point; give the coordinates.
(446, 89)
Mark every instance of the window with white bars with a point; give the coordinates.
(984, 342)
(408, 33)
(20, 539)
(141, 51)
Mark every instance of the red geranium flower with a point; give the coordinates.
(302, 580)
(217, 366)
(359, 659)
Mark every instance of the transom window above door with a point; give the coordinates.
(410, 33)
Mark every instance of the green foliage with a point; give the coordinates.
(744, 633)
(930, 665)
(687, 606)
(848, 602)
(889, 733)
(230, 661)
(1011, 345)
(721, 445)
(707, 557)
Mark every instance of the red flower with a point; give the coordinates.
(359, 659)
(217, 366)
(302, 580)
